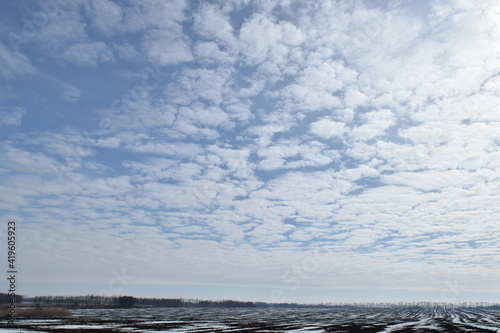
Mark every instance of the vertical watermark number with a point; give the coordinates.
(11, 269)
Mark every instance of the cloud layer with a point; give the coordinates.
(261, 144)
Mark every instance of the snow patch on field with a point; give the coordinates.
(398, 327)
(489, 328)
(82, 327)
(311, 329)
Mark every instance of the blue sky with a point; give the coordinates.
(254, 150)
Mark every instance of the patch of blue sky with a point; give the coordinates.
(369, 182)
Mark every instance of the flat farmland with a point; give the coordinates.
(266, 320)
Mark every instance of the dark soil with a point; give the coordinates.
(263, 320)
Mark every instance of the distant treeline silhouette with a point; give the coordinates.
(96, 301)
(5, 298)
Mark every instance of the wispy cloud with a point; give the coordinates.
(12, 117)
(12, 63)
(70, 93)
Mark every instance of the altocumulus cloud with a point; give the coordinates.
(254, 145)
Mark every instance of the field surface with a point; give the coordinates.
(265, 320)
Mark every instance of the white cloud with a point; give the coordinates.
(236, 160)
(70, 93)
(165, 47)
(106, 16)
(128, 52)
(211, 52)
(87, 54)
(210, 22)
(318, 85)
(376, 123)
(110, 18)
(206, 84)
(354, 98)
(294, 155)
(12, 63)
(326, 128)
(11, 117)
(261, 40)
(65, 37)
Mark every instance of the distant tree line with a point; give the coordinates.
(95, 301)
(5, 298)
(89, 301)
(187, 303)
